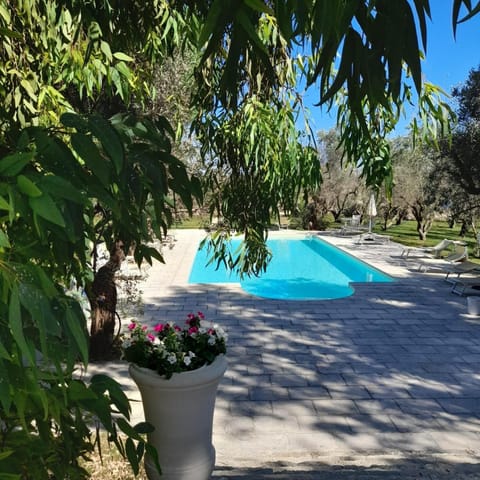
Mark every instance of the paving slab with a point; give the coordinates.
(382, 384)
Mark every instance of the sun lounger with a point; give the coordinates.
(436, 250)
(460, 268)
(372, 238)
(460, 285)
(440, 264)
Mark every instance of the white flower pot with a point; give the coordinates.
(181, 410)
(473, 305)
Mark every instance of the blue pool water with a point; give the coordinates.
(301, 269)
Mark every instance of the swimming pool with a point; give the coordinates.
(301, 269)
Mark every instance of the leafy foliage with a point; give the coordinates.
(257, 163)
(56, 202)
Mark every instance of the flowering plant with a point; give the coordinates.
(168, 348)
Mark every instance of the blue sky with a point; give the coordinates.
(447, 63)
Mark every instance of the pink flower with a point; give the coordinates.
(144, 328)
(159, 327)
(190, 316)
(201, 315)
(151, 337)
(211, 331)
(132, 326)
(177, 328)
(192, 330)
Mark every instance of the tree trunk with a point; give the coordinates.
(103, 304)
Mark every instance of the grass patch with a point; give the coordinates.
(406, 234)
(111, 466)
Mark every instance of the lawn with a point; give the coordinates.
(406, 234)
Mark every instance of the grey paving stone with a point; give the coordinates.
(302, 375)
(461, 405)
(308, 393)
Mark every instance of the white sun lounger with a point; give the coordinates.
(460, 268)
(436, 250)
(440, 264)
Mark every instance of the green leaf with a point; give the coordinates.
(110, 140)
(4, 205)
(259, 6)
(101, 383)
(4, 241)
(16, 326)
(72, 120)
(132, 455)
(10, 476)
(90, 154)
(123, 57)
(212, 21)
(151, 451)
(27, 187)
(77, 390)
(46, 208)
(12, 165)
(60, 187)
(4, 454)
(144, 427)
(78, 334)
(29, 89)
(105, 48)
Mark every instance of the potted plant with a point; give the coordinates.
(177, 370)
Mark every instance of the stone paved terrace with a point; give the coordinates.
(382, 384)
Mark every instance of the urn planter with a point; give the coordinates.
(181, 409)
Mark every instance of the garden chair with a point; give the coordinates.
(352, 226)
(461, 284)
(460, 268)
(459, 255)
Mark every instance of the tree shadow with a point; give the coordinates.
(393, 367)
(393, 469)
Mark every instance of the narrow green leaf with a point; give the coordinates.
(74, 325)
(46, 208)
(105, 48)
(259, 6)
(127, 429)
(72, 120)
(144, 427)
(27, 187)
(211, 21)
(61, 187)
(12, 165)
(77, 391)
(4, 205)
(132, 455)
(5, 454)
(90, 154)
(123, 57)
(110, 140)
(151, 451)
(16, 326)
(4, 241)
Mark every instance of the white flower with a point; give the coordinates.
(187, 361)
(172, 359)
(212, 340)
(221, 334)
(126, 343)
(191, 354)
